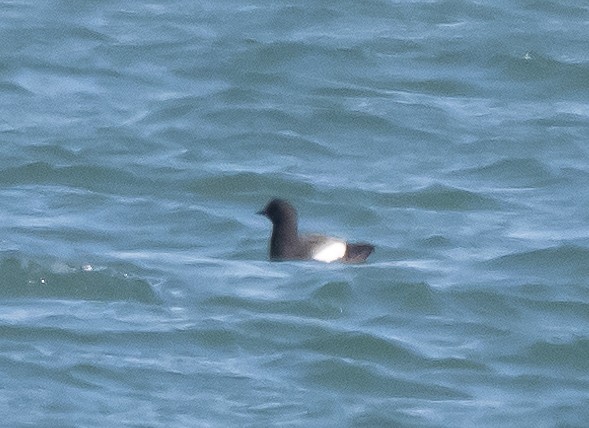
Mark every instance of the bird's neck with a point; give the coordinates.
(285, 237)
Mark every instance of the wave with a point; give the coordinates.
(313, 308)
(14, 89)
(565, 261)
(538, 69)
(91, 177)
(248, 185)
(440, 197)
(356, 378)
(567, 355)
(21, 278)
(515, 172)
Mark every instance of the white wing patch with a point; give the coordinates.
(330, 251)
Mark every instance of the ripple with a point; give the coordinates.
(557, 356)
(514, 172)
(565, 261)
(246, 184)
(26, 279)
(441, 198)
(91, 177)
(353, 378)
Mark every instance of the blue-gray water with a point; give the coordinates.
(138, 139)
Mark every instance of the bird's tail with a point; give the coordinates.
(357, 253)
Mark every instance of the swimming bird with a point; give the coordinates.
(287, 244)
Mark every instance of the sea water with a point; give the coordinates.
(138, 139)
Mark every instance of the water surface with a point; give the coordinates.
(138, 141)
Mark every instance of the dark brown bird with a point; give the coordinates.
(287, 244)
